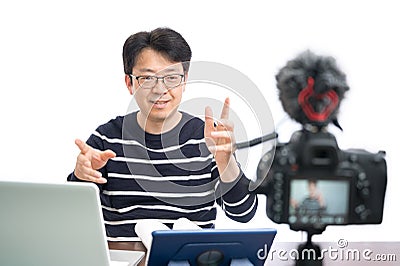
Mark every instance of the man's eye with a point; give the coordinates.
(171, 78)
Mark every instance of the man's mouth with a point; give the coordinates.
(159, 104)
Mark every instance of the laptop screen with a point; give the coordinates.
(51, 224)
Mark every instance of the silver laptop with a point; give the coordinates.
(55, 224)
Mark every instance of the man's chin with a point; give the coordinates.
(161, 115)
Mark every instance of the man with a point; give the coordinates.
(313, 203)
(159, 162)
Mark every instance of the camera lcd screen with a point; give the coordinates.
(318, 202)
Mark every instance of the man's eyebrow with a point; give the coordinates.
(169, 70)
(164, 71)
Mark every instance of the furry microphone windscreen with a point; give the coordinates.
(311, 88)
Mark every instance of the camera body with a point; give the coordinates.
(311, 183)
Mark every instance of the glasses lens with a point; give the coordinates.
(172, 81)
(147, 82)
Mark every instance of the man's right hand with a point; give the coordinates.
(89, 161)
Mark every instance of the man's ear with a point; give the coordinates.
(129, 85)
(184, 84)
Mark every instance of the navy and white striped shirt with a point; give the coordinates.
(163, 177)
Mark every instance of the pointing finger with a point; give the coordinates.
(82, 146)
(225, 109)
(209, 122)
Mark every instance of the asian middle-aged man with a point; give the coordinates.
(160, 162)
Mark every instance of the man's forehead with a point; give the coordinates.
(156, 62)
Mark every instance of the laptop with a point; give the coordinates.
(244, 247)
(55, 224)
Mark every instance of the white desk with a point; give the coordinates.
(341, 253)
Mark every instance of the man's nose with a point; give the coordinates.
(160, 87)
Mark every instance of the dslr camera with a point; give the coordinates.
(310, 182)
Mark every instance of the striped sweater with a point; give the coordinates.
(163, 177)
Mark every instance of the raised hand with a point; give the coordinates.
(221, 143)
(89, 161)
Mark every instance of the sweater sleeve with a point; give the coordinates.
(236, 200)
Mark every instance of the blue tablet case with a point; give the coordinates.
(182, 247)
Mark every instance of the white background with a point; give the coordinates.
(61, 76)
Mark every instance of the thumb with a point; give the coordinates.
(107, 154)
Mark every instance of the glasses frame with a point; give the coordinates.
(157, 79)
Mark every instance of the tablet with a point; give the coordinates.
(224, 246)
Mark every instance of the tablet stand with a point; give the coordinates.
(212, 258)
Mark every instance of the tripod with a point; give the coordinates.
(309, 252)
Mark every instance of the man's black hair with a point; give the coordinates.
(163, 40)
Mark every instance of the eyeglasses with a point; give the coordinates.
(149, 82)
